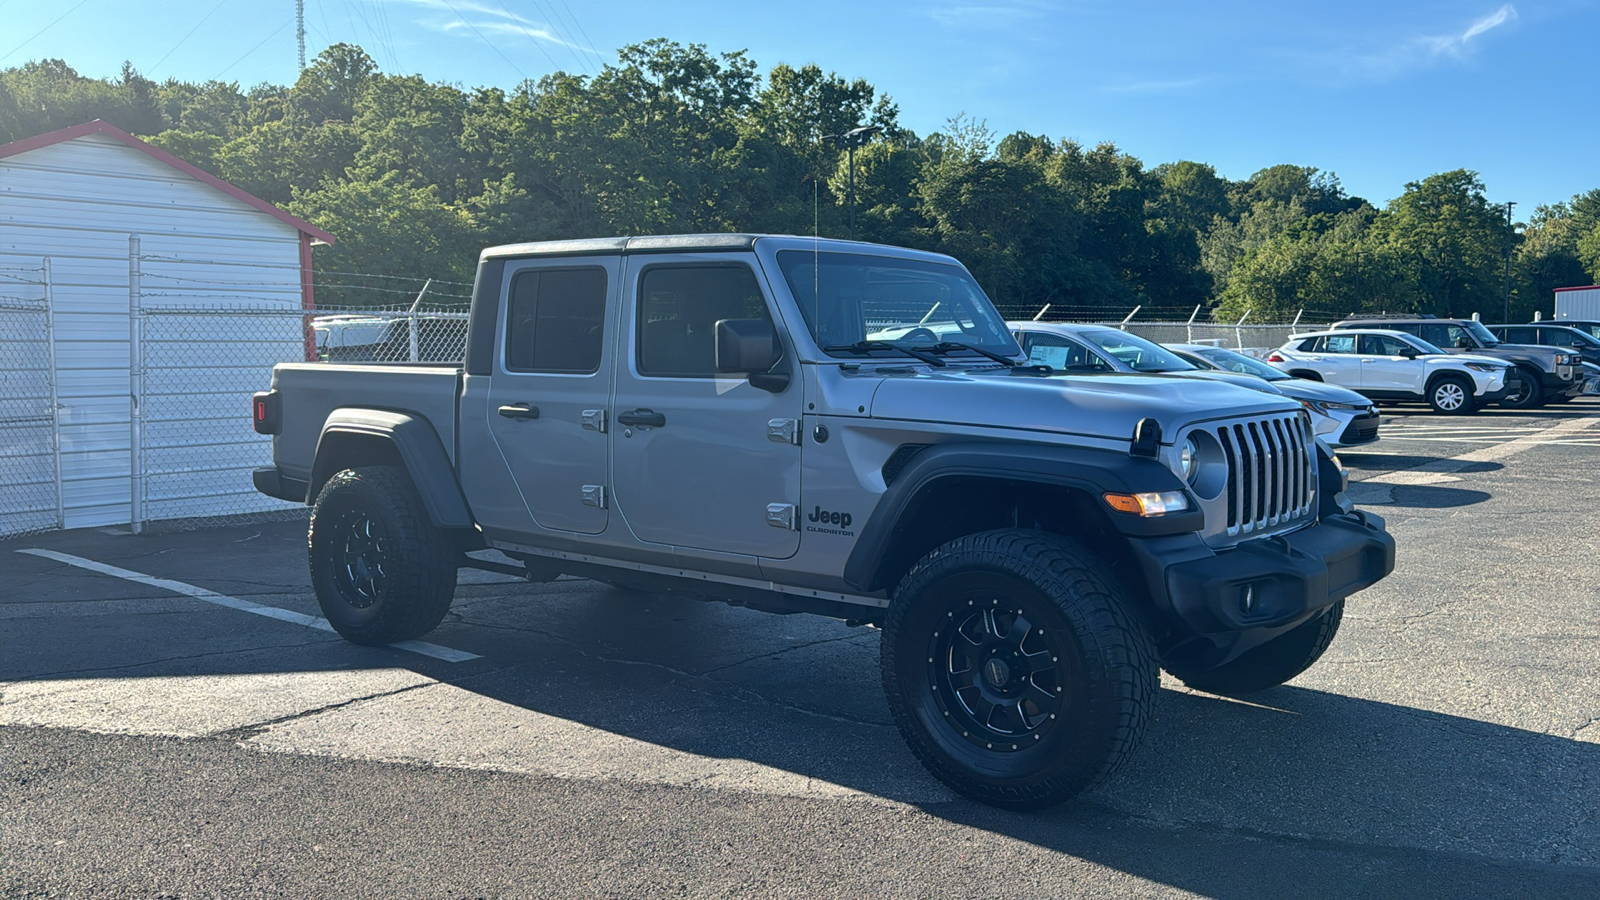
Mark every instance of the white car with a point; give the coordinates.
(1391, 365)
(1340, 416)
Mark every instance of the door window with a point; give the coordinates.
(1382, 345)
(1518, 335)
(556, 321)
(679, 308)
(1338, 343)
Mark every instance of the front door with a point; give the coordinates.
(701, 460)
(551, 387)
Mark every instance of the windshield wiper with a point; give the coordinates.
(869, 346)
(947, 346)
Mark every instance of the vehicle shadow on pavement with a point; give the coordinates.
(1267, 798)
(1393, 462)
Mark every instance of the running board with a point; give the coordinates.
(499, 568)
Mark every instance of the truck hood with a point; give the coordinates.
(1101, 405)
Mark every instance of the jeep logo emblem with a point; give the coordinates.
(824, 517)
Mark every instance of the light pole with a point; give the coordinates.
(852, 139)
(1510, 228)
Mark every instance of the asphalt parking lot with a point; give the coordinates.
(174, 724)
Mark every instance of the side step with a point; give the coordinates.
(500, 568)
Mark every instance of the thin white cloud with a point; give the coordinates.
(492, 19)
(1426, 50)
(1172, 86)
(991, 15)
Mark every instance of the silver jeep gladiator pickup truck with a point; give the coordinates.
(802, 425)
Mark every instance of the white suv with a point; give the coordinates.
(1394, 366)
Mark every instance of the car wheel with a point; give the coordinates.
(1272, 663)
(1017, 668)
(1451, 395)
(1525, 392)
(381, 571)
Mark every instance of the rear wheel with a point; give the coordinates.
(1016, 668)
(381, 570)
(1272, 663)
(1451, 395)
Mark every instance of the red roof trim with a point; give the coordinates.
(100, 127)
(1588, 287)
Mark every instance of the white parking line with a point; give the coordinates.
(272, 612)
(1439, 470)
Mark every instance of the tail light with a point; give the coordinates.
(266, 412)
(1274, 357)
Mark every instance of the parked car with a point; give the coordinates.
(719, 415)
(1071, 347)
(1551, 334)
(1394, 366)
(1339, 415)
(1541, 373)
(1591, 327)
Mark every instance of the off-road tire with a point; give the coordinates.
(1272, 663)
(381, 570)
(1457, 402)
(1101, 671)
(1531, 396)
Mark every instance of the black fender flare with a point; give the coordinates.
(1092, 471)
(419, 448)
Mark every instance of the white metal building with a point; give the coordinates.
(1578, 303)
(124, 379)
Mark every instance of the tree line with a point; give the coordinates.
(414, 177)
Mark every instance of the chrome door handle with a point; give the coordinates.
(646, 417)
(520, 411)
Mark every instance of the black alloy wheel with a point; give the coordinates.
(1525, 391)
(381, 570)
(1017, 667)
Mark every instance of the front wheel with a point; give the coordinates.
(1272, 663)
(1523, 391)
(1451, 396)
(381, 570)
(1017, 668)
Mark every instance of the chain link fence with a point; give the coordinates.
(30, 497)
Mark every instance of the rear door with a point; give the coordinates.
(551, 387)
(1338, 363)
(702, 460)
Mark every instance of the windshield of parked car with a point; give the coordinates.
(1484, 335)
(851, 298)
(1238, 362)
(1135, 352)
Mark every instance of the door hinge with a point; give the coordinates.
(594, 495)
(783, 515)
(783, 431)
(594, 420)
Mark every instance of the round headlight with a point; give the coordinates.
(1191, 455)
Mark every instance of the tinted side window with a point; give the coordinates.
(1518, 335)
(1309, 345)
(555, 321)
(1434, 334)
(679, 307)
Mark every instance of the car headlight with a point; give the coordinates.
(1566, 359)
(1326, 407)
(1187, 459)
(1486, 367)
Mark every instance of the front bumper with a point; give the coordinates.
(1222, 604)
(1363, 429)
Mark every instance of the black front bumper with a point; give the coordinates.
(1221, 604)
(1363, 429)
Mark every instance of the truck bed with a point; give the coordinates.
(313, 390)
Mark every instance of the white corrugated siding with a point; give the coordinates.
(78, 202)
(1582, 304)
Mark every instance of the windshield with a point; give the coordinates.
(1584, 338)
(1135, 352)
(847, 298)
(1244, 365)
(1484, 335)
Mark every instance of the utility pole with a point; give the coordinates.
(852, 139)
(1510, 229)
(300, 30)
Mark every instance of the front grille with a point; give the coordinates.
(1360, 430)
(1270, 479)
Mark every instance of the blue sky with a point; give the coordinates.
(1379, 93)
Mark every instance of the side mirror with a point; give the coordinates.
(1410, 353)
(750, 347)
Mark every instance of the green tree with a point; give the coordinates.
(1446, 228)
